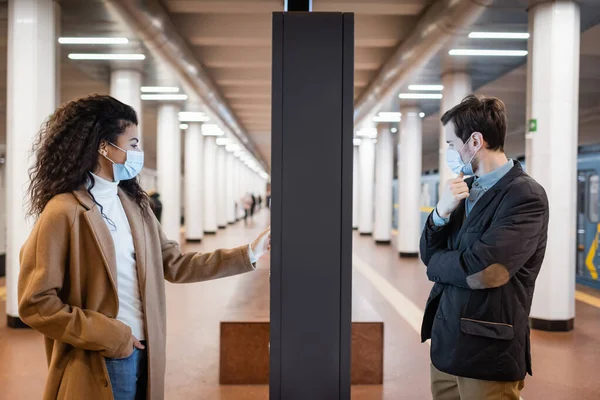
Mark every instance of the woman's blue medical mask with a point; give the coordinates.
(134, 162)
(455, 162)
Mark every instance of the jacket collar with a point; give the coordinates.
(102, 235)
(137, 224)
(104, 239)
(488, 196)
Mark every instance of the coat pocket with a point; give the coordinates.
(493, 330)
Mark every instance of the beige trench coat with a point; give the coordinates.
(68, 291)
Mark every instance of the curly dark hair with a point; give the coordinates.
(66, 149)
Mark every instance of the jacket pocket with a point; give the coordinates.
(493, 330)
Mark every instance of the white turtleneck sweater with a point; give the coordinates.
(131, 311)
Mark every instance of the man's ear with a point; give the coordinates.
(478, 140)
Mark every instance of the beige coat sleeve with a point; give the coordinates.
(197, 267)
(44, 258)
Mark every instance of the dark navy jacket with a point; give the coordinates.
(484, 267)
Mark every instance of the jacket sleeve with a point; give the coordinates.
(44, 259)
(433, 239)
(501, 251)
(198, 267)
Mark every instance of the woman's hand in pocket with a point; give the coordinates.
(134, 344)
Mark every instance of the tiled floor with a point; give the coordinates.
(565, 364)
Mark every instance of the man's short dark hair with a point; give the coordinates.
(477, 113)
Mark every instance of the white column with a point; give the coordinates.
(210, 185)
(355, 189)
(236, 186)
(384, 176)
(221, 173)
(457, 85)
(367, 183)
(125, 86)
(409, 182)
(168, 163)
(31, 98)
(553, 83)
(229, 184)
(194, 188)
(242, 186)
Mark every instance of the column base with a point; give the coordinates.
(231, 223)
(383, 241)
(16, 323)
(549, 325)
(408, 255)
(222, 226)
(193, 240)
(355, 228)
(210, 233)
(2, 265)
(365, 233)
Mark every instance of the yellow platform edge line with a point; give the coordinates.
(587, 298)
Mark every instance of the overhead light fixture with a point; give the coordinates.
(367, 133)
(388, 117)
(107, 56)
(164, 97)
(357, 141)
(423, 96)
(232, 147)
(222, 141)
(422, 114)
(211, 130)
(93, 40)
(192, 116)
(431, 88)
(159, 89)
(183, 126)
(493, 53)
(499, 35)
(394, 130)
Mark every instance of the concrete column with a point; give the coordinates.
(553, 85)
(409, 182)
(210, 185)
(457, 85)
(31, 98)
(229, 184)
(367, 183)
(384, 176)
(125, 86)
(236, 186)
(194, 179)
(355, 188)
(168, 162)
(221, 173)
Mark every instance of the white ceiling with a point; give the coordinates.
(232, 39)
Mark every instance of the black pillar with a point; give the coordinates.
(312, 161)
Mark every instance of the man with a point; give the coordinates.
(483, 246)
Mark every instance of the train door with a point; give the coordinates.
(588, 227)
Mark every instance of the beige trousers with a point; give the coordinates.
(449, 387)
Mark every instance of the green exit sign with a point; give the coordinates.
(532, 125)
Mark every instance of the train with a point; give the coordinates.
(588, 211)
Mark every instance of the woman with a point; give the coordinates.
(93, 268)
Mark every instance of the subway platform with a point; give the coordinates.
(395, 288)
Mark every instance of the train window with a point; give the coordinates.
(593, 198)
(581, 191)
